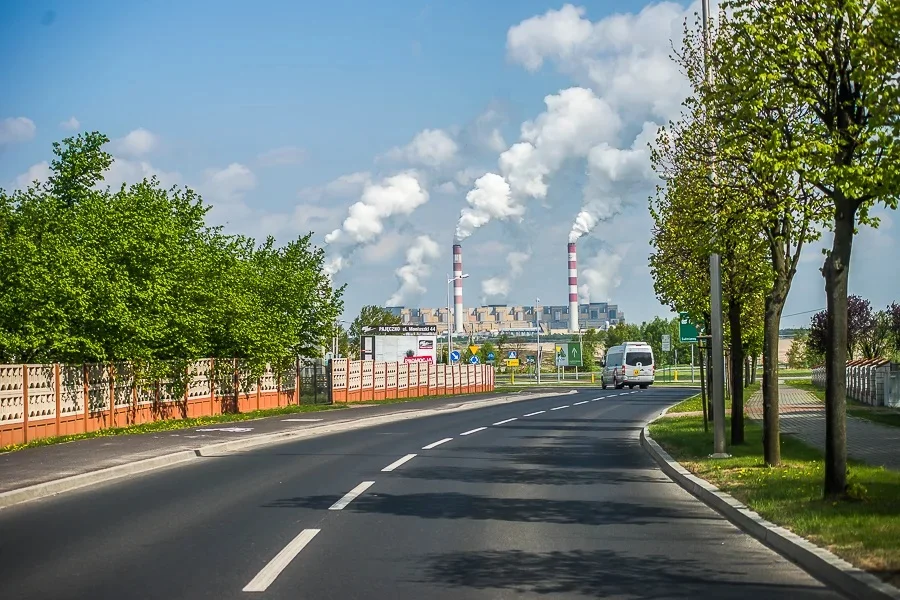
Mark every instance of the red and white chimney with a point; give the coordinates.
(573, 290)
(457, 289)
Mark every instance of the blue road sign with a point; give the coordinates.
(513, 355)
(473, 360)
(490, 356)
(454, 356)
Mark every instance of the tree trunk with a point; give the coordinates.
(771, 426)
(753, 369)
(703, 398)
(746, 371)
(836, 271)
(709, 366)
(736, 372)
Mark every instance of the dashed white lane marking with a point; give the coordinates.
(268, 574)
(506, 421)
(351, 495)
(397, 463)
(436, 444)
(471, 431)
(228, 429)
(582, 402)
(535, 413)
(560, 407)
(300, 420)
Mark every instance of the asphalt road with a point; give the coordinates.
(523, 501)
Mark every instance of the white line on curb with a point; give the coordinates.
(582, 402)
(506, 421)
(471, 431)
(436, 444)
(351, 495)
(268, 574)
(397, 463)
(560, 407)
(535, 413)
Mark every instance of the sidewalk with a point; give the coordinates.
(803, 416)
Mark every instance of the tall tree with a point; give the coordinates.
(840, 61)
(369, 316)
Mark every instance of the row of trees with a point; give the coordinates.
(92, 274)
(793, 126)
(870, 334)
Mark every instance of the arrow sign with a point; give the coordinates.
(454, 356)
(574, 353)
(490, 356)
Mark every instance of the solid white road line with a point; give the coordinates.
(436, 444)
(397, 463)
(582, 402)
(535, 413)
(560, 407)
(300, 420)
(268, 574)
(506, 421)
(351, 495)
(471, 431)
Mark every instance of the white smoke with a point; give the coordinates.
(396, 195)
(501, 286)
(417, 267)
(599, 275)
(489, 199)
(574, 121)
(615, 177)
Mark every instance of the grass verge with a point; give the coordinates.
(865, 531)
(876, 414)
(692, 404)
(176, 424)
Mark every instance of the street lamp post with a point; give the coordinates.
(537, 321)
(450, 281)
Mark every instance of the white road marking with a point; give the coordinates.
(436, 444)
(535, 413)
(582, 402)
(351, 495)
(560, 407)
(229, 429)
(471, 431)
(268, 574)
(300, 420)
(397, 463)
(506, 421)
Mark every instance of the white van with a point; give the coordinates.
(630, 364)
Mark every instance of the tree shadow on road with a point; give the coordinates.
(532, 476)
(605, 573)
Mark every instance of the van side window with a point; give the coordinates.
(614, 360)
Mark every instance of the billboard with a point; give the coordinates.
(400, 329)
(405, 348)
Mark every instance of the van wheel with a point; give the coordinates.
(644, 386)
(618, 385)
(631, 387)
(602, 383)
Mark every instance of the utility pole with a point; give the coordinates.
(715, 281)
(537, 319)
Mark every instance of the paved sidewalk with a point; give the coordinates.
(803, 416)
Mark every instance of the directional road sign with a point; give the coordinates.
(562, 355)
(512, 362)
(490, 356)
(473, 360)
(454, 356)
(574, 352)
(687, 331)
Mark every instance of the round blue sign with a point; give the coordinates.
(454, 356)
(490, 356)
(473, 360)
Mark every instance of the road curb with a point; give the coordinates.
(818, 562)
(74, 482)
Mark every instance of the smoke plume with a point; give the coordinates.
(417, 268)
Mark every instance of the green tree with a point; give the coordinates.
(591, 341)
(622, 332)
(369, 316)
(838, 60)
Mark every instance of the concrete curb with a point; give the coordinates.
(66, 484)
(818, 562)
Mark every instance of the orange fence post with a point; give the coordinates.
(25, 403)
(58, 398)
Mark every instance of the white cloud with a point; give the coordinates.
(70, 124)
(138, 142)
(417, 267)
(396, 195)
(430, 148)
(486, 131)
(351, 184)
(501, 286)
(491, 198)
(39, 172)
(468, 175)
(447, 187)
(285, 155)
(624, 55)
(384, 249)
(601, 275)
(495, 286)
(123, 170)
(16, 129)
(224, 189)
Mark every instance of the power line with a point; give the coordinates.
(806, 312)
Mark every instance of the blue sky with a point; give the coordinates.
(273, 110)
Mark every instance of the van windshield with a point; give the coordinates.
(644, 359)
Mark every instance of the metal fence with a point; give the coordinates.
(315, 382)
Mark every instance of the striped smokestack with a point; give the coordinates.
(457, 289)
(573, 290)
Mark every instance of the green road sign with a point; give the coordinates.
(687, 331)
(574, 352)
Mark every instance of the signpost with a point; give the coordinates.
(474, 349)
(490, 357)
(512, 362)
(666, 343)
(562, 355)
(574, 355)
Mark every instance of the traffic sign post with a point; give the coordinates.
(490, 357)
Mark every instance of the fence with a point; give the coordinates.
(38, 401)
(363, 380)
(875, 382)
